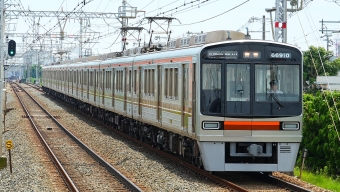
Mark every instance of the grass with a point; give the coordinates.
(320, 180)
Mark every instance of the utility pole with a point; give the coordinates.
(281, 21)
(281, 17)
(328, 42)
(325, 30)
(124, 24)
(125, 12)
(81, 38)
(3, 160)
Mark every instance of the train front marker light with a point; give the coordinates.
(211, 125)
(291, 126)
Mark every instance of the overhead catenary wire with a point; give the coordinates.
(323, 67)
(141, 21)
(82, 5)
(215, 15)
(192, 7)
(184, 7)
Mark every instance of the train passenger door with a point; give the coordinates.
(95, 84)
(113, 83)
(159, 93)
(193, 92)
(134, 92)
(129, 92)
(184, 96)
(125, 82)
(139, 91)
(103, 85)
(81, 82)
(72, 81)
(77, 82)
(87, 74)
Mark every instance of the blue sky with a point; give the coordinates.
(303, 28)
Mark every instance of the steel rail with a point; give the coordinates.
(70, 184)
(129, 184)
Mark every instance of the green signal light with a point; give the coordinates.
(11, 48)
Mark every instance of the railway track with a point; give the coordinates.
(80, 167)
(231, 181)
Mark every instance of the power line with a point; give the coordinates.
(215, 15)
(317, 73)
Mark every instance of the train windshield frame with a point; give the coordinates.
(255, 79)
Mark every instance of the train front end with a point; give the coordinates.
(249, 106)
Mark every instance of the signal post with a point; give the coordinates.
(3, 159)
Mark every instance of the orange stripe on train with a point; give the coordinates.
(251, 125)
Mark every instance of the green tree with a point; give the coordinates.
(320, 57)
(33, 71)
(320, 134)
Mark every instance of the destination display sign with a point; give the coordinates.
(281, 55)
(222, 55)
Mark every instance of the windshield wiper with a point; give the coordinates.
(273, 95)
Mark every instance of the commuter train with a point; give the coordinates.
(204, 97)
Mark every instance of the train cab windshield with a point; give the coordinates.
(257, 87)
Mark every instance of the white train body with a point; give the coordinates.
(208, 101)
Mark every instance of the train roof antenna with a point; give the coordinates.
(228, 35)
(247, 36)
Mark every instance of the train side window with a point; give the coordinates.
(176, 83)
(120, 78)
(211, 88)
(91, 77)
(79, 76)
(145, 82)
(105, 79)
(185, 85)
(171, 83)
(117, 80)
(153, 81)
(135, 82)
(148, 81)
(166, 83)
(98, 78)
(129, 82)
(121, 81)
(85, 77)
(108, 80)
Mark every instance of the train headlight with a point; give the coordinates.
(246, 54)
(211, 125)
(251, 55)
(290, 126)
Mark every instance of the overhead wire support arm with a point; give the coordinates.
(69, 14)
(125, 31)
(167, 31)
